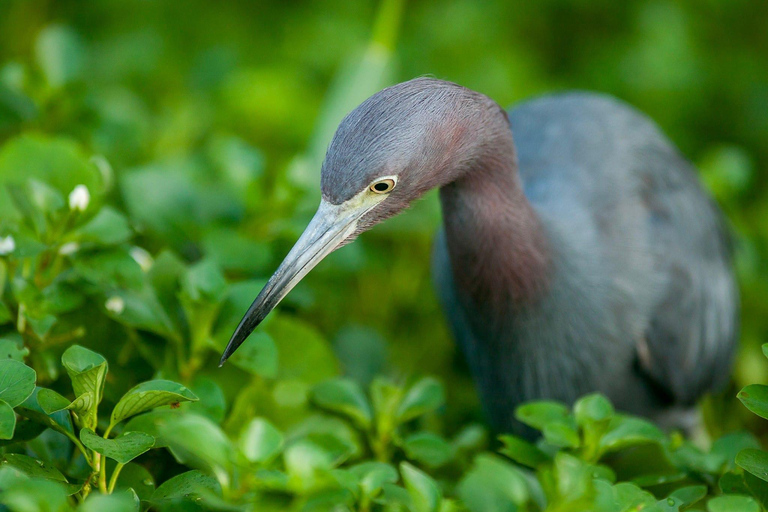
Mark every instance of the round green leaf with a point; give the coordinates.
(123, 449)
(754, 461)
(591, 408)
(732, 504)
(187, 485)
(17, 381)
(523, 452)
(149, 395)
(428, 448)
(33, 467)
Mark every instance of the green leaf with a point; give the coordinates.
(123, 501)
(196, 440)
(754, 461)
(427, 448)
(7, 421)
(344, 396)
(189, 485)
(57, 162)
(424, 492)
(17, 381)
(755, 398)
(107, 227)
(561, 435)
(683, 497)
(542, 413)
(52, 402)
(732, 504)
(60, 54)
(523, 452)
(626, 431)
(260, 441)
(493, 484)
(592, 408)
(123, 448)
(373, 475)
(33, 467)
(86, 369)
(424, 396)
(257, 355)
(60, 421)
(204, 282)
(12, 347)
(149, 395)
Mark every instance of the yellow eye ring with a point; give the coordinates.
(383, 186)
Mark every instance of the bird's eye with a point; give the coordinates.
(383, 186)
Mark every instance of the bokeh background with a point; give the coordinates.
(212, 119)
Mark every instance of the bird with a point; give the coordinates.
(579, 252)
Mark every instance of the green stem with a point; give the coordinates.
(113, 478)
(80, 447)
(102, 473)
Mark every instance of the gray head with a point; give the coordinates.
(398, 144)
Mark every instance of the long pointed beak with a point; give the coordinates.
(330, 226)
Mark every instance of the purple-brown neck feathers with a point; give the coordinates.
(496, 244)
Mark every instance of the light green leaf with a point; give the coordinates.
(626, 431)
(373, 475)
(424, 492)
(428, 448)
(732, 504)
(345, 397)
(123, 449)
(60, 421)
(33, 467)
(755, 398)
(561, 435)
(123, 501)
(683, 497)
(108, 227)
(542, 413)
(60, 54)
(592, 408)
(149, 395)
(196, 440)
(52, 402)
(754, 461)
(7, 421)
(423, 397)
(493, 484)
(260, 441)
(204, 282)
(17, 381)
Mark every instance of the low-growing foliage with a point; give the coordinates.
(149, 184)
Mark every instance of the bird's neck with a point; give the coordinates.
(496, 244)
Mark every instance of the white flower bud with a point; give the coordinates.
(79, 198)
(69, 248)
(7, 245)
(115, 305)
(142, 257)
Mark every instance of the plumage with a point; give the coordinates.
(579, 251)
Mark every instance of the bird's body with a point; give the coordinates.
(596, 264)
(635, 296)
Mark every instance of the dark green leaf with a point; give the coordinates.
(754, 461)
(17, 381)
(32, 467)
(60, 421)
(12, 347)
(123, 448)
(187, 485)
(257, 355)
(755, 398)
(7, 421)
(149, 395)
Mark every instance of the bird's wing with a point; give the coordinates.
(689, 342)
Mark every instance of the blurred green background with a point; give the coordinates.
(210, 121)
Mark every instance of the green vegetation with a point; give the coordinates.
(157, 160)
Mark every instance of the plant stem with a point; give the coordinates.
(113, 478)
(102, 473)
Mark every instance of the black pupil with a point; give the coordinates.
(381, 187)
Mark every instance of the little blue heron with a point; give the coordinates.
(585, 256)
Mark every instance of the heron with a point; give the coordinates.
(578, 251)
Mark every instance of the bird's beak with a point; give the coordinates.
(331, 225)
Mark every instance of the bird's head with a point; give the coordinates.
(398, 144)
